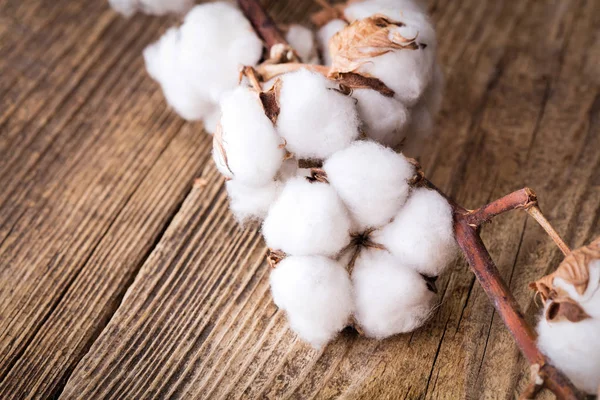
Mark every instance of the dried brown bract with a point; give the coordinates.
(366, 38)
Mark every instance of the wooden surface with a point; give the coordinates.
(123, 275)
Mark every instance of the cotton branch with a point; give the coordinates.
(466, 224)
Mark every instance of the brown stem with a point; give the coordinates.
(536, 213)
(470, 243)
(262, 23)
(523, 198)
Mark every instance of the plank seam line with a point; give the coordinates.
(69, 284)
(118, 299)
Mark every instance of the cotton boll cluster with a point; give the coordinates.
(156, 7)
(200, 60)
(303, 41)
(315, 120)
(570, 324)
(315, 292)
(372, 180)
(341, 214)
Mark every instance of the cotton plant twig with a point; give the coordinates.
(466, 224)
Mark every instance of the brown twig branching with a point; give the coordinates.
(466, 227)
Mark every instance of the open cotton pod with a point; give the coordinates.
(389, 50)
(325, 33)
(372, 180)
(390, 297)
(315, 293)
(247, 147)
(156, 7)
(308, 218)
(569, 328)
(197, 62)
(315, 119)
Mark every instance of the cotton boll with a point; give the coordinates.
(197, 62)
(315, 120)
(384, 118)
(315, 293)
(249, 141)
(162, 63)
(372, 180)
(302, 40)
(325, 33)
(156, 7)
(390, 297)
(421, 235)
(307, 219)
(251, 203)
(574, 348)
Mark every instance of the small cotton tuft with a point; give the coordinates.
(156, 7)
(371, 180)
(384, 118)
(250, 149)
(251, 203)
(325, 33)
(197, 62)
(315, 120)
(303, 41)
(421, 235)
(315, 292)
(390, 297)
(307, 219)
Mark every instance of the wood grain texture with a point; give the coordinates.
(120, 278)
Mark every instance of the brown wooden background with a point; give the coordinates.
(124, 276)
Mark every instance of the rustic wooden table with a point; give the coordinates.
(124, 276)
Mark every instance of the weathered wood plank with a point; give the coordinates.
(96, 173)
(85, 197)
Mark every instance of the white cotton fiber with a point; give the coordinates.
(307, 219)
(325, 33)
(574, 348)
(197, 62)
(390, 297)
(252, 147)
(156, 7)
(315, 293)
(407, 72)
(315, 120)
(303, 41)
(251, 203)
(371, 180)
(421, 235)
(384, 118)
(423, 113)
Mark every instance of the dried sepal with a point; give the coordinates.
(574, 270)
(353, 80)
(270, 101)
(562, 309)
(274, 257)
(317, 175)
(366, 38)
(220, 149)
